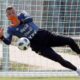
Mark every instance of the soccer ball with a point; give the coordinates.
(23, 43)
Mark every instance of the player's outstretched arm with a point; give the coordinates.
(7, 39)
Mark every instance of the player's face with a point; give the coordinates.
(10, 13)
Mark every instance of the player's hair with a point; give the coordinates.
(9, 8)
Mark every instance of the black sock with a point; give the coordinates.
(67, 64)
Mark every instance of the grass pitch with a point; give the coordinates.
(39, 78)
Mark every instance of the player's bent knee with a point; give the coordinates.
(70, 41)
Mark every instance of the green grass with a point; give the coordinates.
(39, 78)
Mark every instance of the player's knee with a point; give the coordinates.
(70, 41)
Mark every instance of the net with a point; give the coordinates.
(57, 16)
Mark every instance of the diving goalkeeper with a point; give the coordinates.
(41, 41)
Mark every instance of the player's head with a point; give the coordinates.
(12, 16)
(10, 11)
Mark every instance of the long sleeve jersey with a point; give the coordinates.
(22, 30)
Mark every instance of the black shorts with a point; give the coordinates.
(40, 40)
(43, 39)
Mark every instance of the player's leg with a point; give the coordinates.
(57, 40)
(73, 45)
(51, 54)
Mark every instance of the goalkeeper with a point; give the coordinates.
(41, 41)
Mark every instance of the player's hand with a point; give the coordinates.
(1, 32)
(14, 20)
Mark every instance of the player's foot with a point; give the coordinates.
(78, 71)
